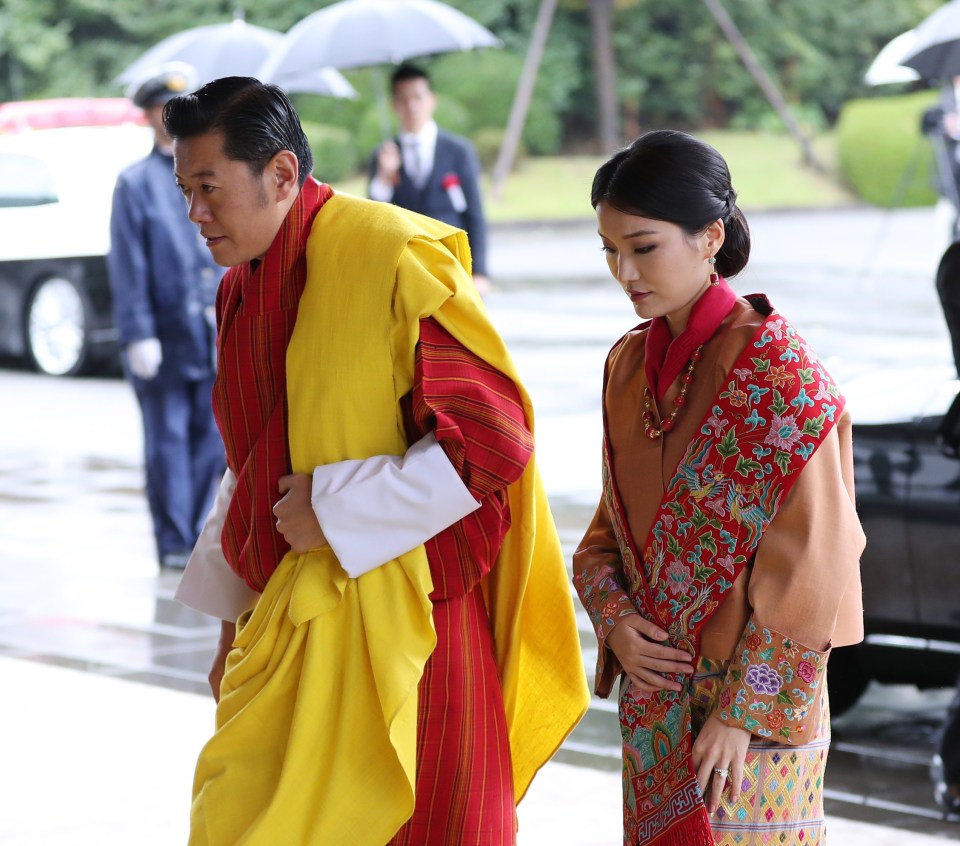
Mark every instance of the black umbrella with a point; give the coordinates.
(935, 53)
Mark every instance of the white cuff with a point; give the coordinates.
(373, 510)
(380, 190)
(208, 584)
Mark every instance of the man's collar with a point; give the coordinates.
(426, 137)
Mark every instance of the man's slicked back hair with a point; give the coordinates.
(256, 120)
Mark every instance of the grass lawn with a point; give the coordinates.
(768, 173)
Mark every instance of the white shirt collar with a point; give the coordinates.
(426, 138)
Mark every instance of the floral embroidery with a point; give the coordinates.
(771, 683)
(806, 671)
(678, 577)
(764, 680)
(784, 432)
(779, 376)
(737, 397)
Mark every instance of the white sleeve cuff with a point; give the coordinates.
(208, 584)
(380, 190)
(373, 510)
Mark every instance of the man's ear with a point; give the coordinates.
(284, 172)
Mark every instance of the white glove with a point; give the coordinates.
(144, 357)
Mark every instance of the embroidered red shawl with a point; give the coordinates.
(256, 312)
(762, 428)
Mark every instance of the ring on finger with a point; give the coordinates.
(721, 772)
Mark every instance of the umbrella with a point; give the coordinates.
(231, 49)
(886, 67)
(936, 50)
(356, 33)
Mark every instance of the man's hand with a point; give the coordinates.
(718, 755)
(388, 162)
(296, 519)
(228, 631)
(636, 643)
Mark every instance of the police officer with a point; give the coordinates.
(164, 283)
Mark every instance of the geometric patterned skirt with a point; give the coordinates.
(781, 799)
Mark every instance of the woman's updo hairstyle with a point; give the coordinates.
(672, 176)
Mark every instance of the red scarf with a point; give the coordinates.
(256, 312)
(666, 357)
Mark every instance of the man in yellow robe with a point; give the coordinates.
(382, 533)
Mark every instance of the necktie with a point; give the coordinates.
(415, 161)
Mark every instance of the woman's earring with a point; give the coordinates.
(714, 276)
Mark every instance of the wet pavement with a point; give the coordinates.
(80, 590)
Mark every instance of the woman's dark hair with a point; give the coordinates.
(672, 176)
(257, 121)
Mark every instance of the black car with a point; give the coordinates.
(56, 187)
(907, 466)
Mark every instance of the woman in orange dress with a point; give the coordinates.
(723, 560)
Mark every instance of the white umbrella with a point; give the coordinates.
(886, 67)
(231, 49)
(328, 81)
(356, 33)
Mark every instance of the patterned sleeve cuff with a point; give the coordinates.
(771, 685)
(604, 598)
(607, 603)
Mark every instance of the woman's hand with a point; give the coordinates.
(723, 747)
(296, 519)
(634, 641)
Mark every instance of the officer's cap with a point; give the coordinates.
(162, 84)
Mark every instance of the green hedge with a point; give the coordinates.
(485, 83)
(334, 153)
(882, 152)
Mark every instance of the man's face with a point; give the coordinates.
(239, 214)
(414, 103)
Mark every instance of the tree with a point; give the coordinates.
(605, 68)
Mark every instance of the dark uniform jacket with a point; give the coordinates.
(162, 275)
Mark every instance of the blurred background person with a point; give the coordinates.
(428, 170)
(164, 284)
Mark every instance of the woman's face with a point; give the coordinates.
(661, 268)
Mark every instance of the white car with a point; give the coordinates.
(56, 187)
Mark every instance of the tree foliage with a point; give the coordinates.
(672, 64)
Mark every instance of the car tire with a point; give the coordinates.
(56, 325)
(846, 679)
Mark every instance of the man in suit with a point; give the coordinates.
(430, 171)
(164, 283)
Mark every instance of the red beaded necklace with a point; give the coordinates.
(686, 380)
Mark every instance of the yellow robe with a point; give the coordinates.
(316, 727)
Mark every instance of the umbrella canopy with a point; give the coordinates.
(231, 49)
(936, 50)
(356, 33)
(886, 68)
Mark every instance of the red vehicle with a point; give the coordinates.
(24, 115)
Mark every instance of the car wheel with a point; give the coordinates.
(56, 323)
(846, 679)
